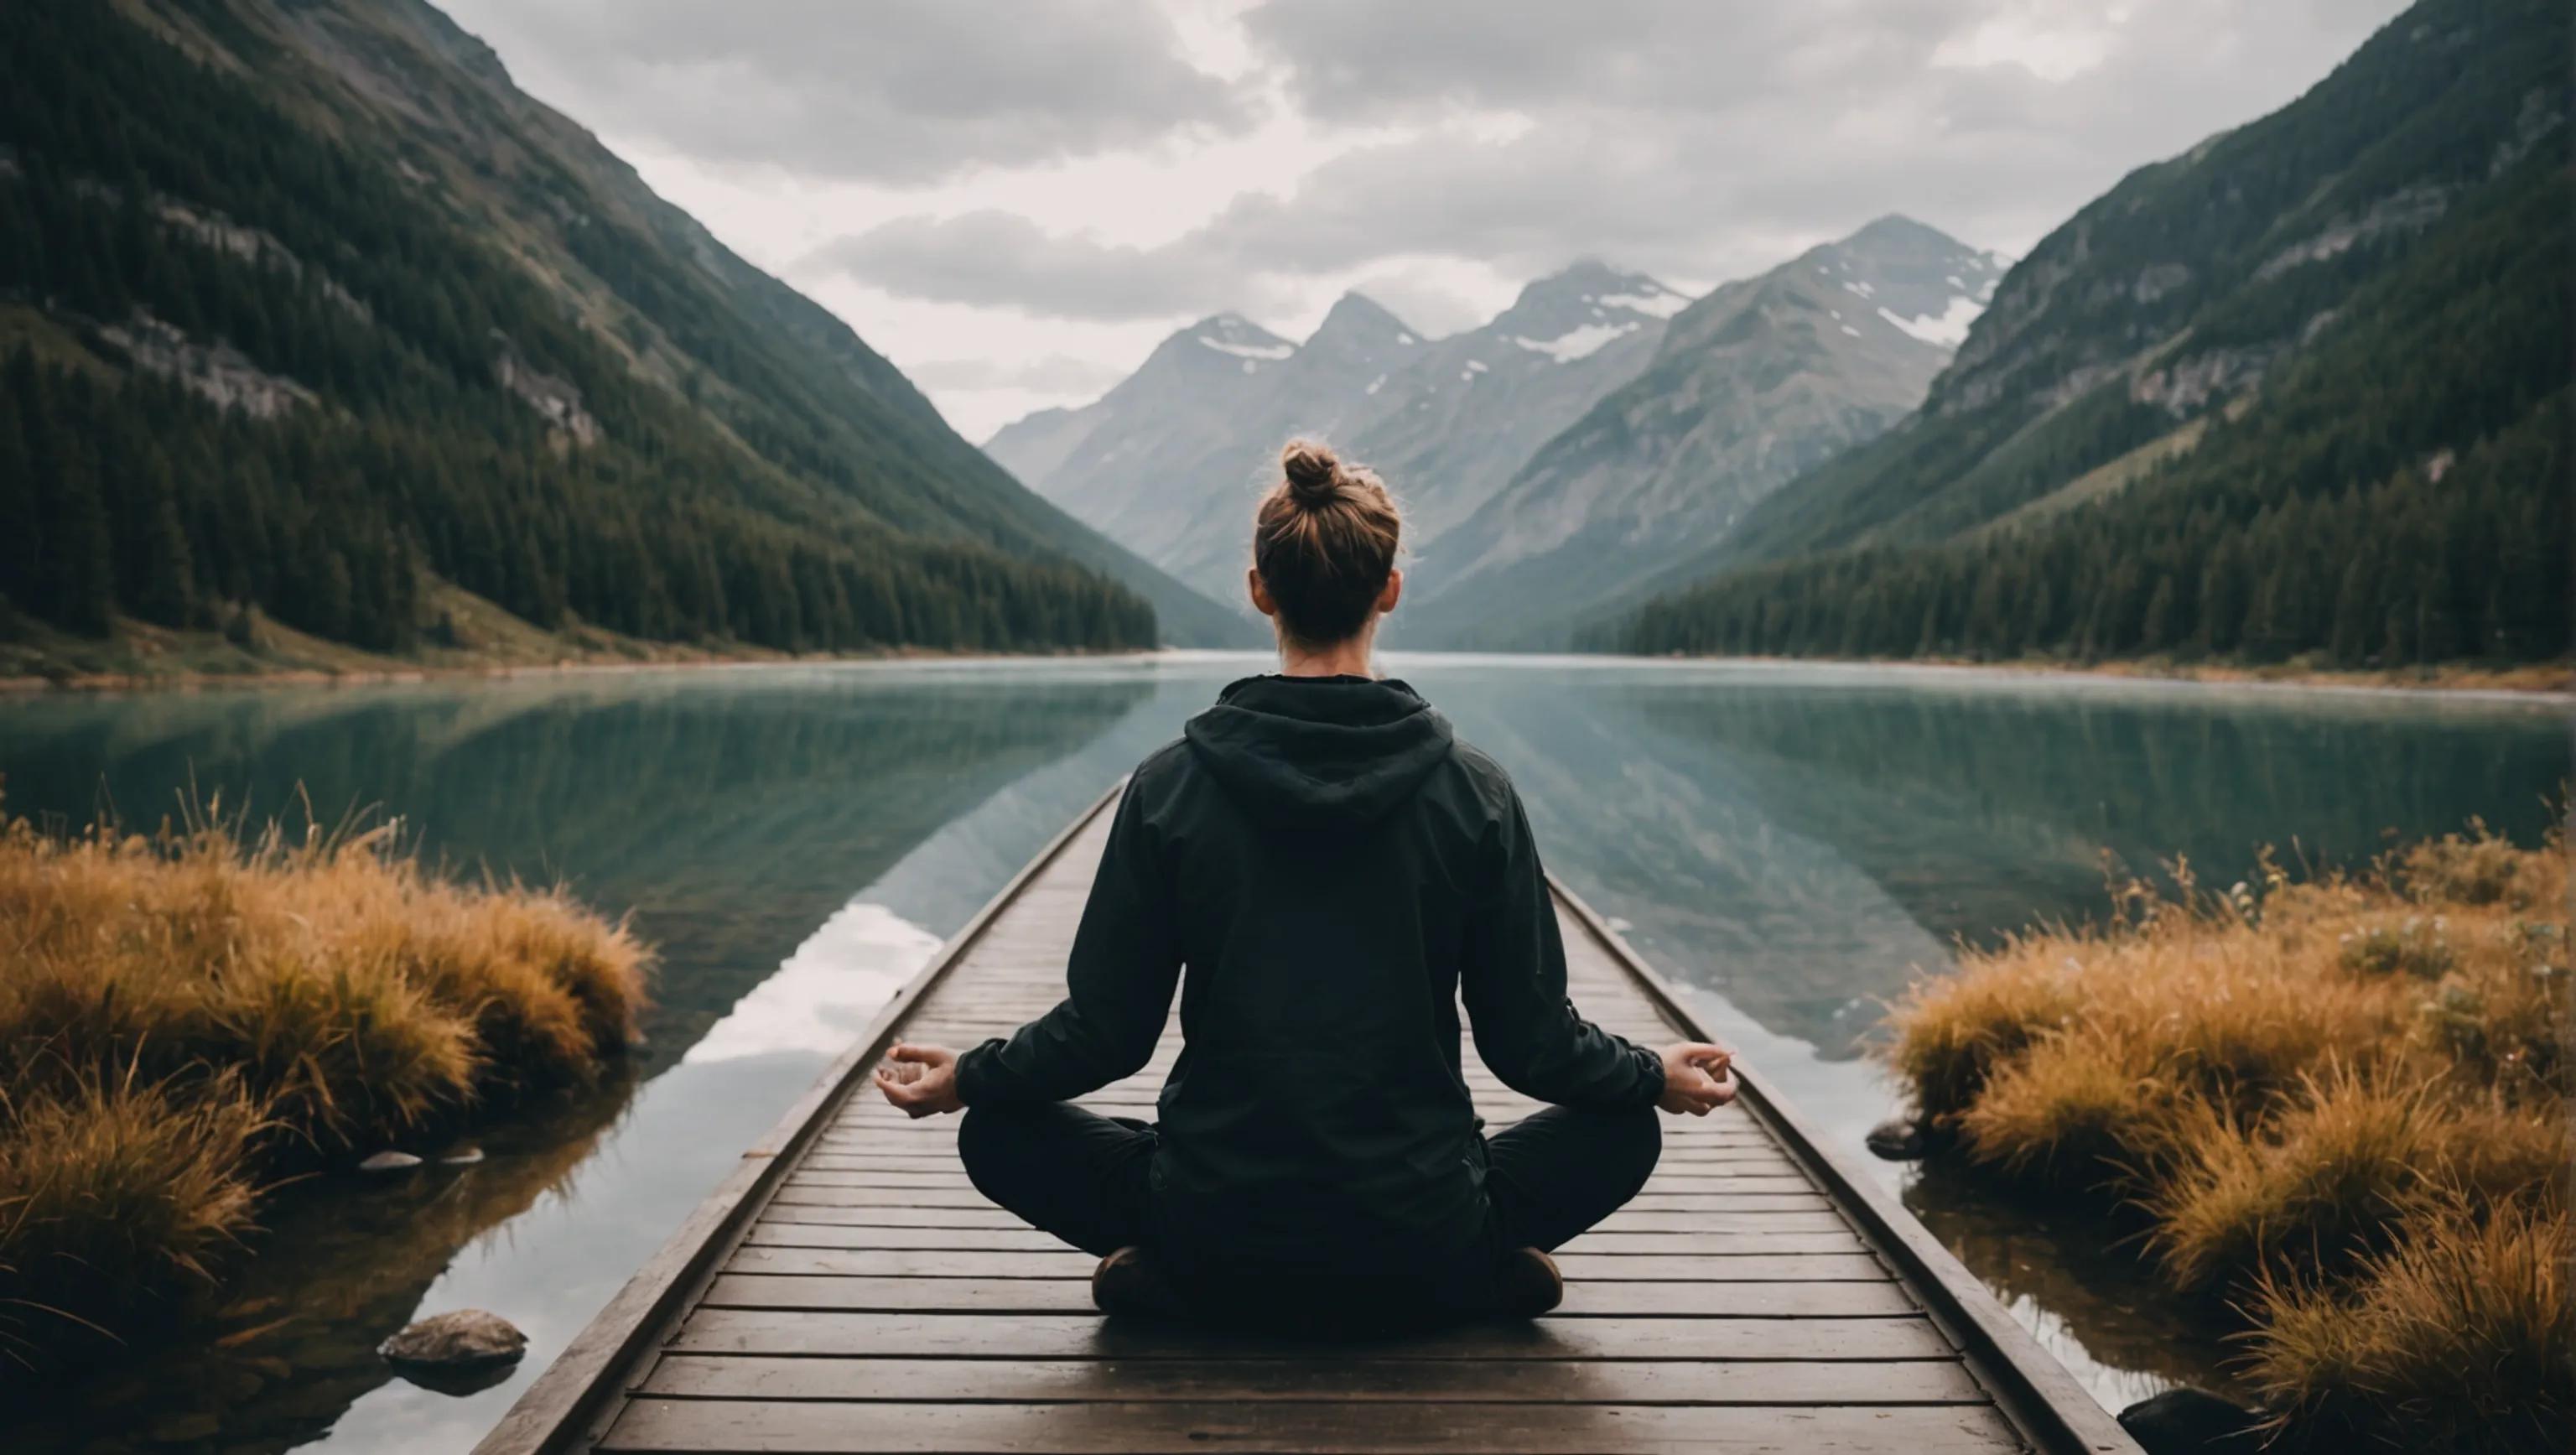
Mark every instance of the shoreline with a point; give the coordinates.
(2538, 682)
(23, 687)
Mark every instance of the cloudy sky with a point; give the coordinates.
(1015, 199)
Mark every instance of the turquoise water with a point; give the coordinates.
(1790, 843)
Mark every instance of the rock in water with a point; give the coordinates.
(1898, 1139)
(2186, 1421)
(389, 1162)
(466, 1339)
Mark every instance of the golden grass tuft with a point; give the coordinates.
(2456, 1340)
(188, 1016)
(2332, 1175)
(111, 1191)
(2331, 1100)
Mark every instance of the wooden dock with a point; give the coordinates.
(847, 1290)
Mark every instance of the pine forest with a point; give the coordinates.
(250, 363)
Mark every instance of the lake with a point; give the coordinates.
(1790, 843)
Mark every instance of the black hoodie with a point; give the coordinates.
(1336, 871)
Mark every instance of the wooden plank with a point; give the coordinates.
(1042, 1381)
(769, 1233)
(738, 1427)
(1065, 1336)
(1673, 1181)
(937, 1136)
(1695, 1163)
(1063, 1262)
(1751, 1300)
(1766, 1220)
(1015, 1237)
(1702, 1245)
(1714, 1204)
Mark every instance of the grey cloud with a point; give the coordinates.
(1054, 374)
(1701, 139)
(905, 91)
(1372, 58)
(1369, 58)
(1682, 135)
(1382, 202)
(1002, 258)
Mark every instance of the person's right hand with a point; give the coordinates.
(922, 1080)
(1696, 1079)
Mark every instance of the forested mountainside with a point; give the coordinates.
(306, 308)
(1750, 386)
(2303, 391)
(1170, 461)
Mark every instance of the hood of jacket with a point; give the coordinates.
(1319, 753)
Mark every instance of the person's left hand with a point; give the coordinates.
(1697, 1078)
(922, 1080)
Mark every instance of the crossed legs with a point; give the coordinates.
(1083, 1177)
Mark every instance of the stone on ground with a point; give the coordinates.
(456, 1340)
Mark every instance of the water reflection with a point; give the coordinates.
(1980, 806)
(344, 1262)
(2081, 1287)
(1791, 844)
(732, 813)
(824, 995)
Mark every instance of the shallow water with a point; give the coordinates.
(1790, 843)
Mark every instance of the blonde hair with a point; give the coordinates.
(1324, 540)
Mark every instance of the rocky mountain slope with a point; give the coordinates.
(474, 345)
(2300, 390)
(1750, 387)
(1170, 462)
(1449, 432)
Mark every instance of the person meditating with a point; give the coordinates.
(1325, 872)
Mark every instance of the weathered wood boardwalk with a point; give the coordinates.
(847, 1290)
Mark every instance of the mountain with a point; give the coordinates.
(2300, 392)
(1753, 385)
(1170, 461)
(308, 309)
(1449, 431)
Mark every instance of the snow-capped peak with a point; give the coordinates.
(1948, 328)
(1578, 343)
(1249, 351)
(1923, 283)
(1653, 300)
(1240, 337)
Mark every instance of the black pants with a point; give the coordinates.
(1082, 1176)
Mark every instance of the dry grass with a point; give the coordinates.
(113, 1191)
(188, 1017)
(2332, 1101)
(2457, 1340)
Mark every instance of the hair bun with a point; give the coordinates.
(1313, 471)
